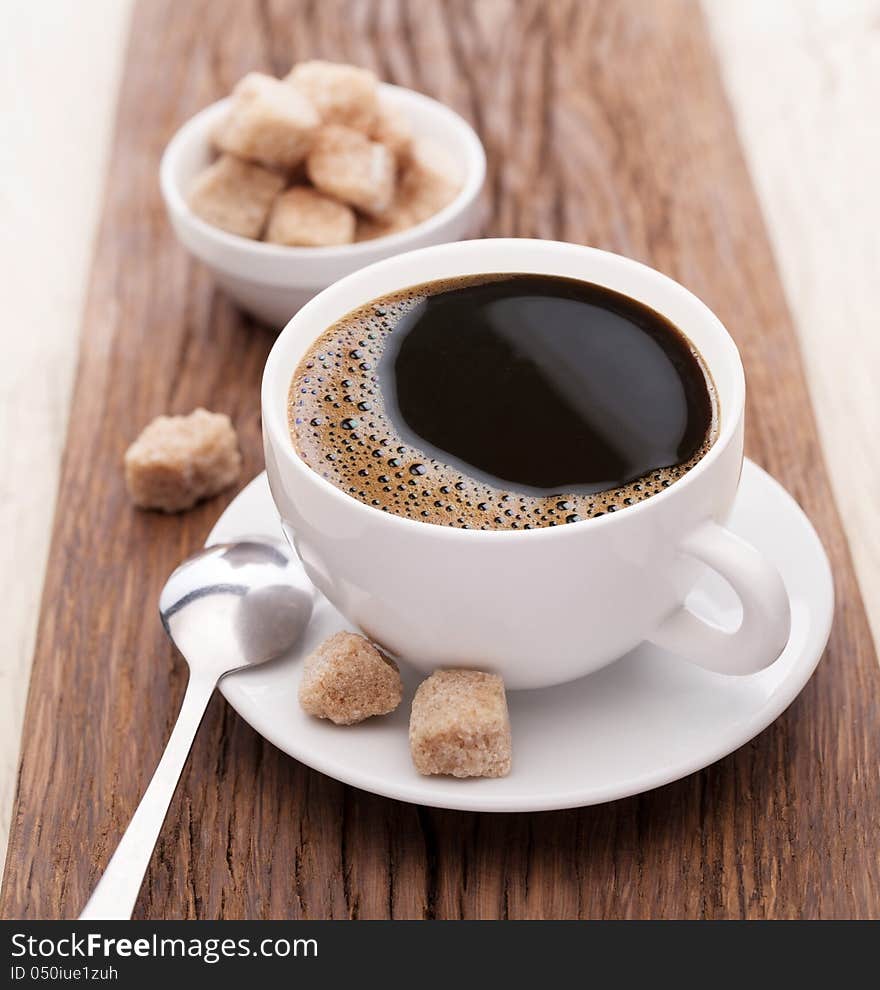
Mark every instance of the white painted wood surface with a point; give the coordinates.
(803, 77)
(58, 83)
(804, 80)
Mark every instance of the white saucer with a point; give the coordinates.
(646, 720)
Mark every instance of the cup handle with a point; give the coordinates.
(766, 621)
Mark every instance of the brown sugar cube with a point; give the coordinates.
(459, 725)
(269, 122)
(235, 196)
(342, 94)
(302, 216)
(429, 182)
(347, 680)
(178, 460)
(392, 129)
(349, 166)
(391, 222)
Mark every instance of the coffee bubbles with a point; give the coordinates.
(502, 402)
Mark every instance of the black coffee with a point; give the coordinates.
(502, 402)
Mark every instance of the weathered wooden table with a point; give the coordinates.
(605, 124)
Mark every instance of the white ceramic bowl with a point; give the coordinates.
(272, 281)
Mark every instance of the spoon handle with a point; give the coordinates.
(115, 895)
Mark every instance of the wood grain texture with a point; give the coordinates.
(605, 123)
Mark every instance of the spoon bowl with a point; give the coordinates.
(236, 604)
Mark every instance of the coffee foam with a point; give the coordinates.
(341, 429)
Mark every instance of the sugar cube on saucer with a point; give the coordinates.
(347, 680)
(459, 725)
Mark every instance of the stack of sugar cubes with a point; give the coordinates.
(319, 159)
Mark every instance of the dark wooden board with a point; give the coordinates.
(605, 123)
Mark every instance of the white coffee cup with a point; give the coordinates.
(542, 606)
